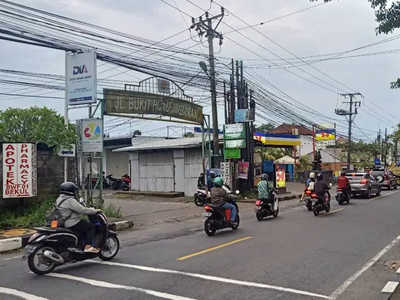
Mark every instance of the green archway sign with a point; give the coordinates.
(153, 99)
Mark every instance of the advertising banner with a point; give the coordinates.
(243, 169)
(244, 115)
(225, 169)
(234, 131)
(92, 135)
(232, 153)
(280, 178)
(19, 170)
(235, 144)
(81, 78)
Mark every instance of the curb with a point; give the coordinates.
(285, 198)
(16, 243)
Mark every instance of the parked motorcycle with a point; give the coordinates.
(341, 197)
(201, 196)
(117, 183)
(103, 181)
(264, 208)
(53, 247)
(308, 200)
(217, 218)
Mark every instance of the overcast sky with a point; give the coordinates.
(329, 28)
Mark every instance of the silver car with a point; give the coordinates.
(364, 184)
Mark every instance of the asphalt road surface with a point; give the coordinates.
(340, 255)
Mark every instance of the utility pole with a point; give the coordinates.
(386, 147)
(206, 27)
(350, 113)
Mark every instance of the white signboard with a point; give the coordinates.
(92, 135)
(67, 152)
(81, 78)
(225, 170)
(19, 170)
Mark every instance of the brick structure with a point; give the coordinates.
(50, 172)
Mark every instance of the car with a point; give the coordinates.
(385, 177)
(364, 184)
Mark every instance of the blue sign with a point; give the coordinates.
(377, 161)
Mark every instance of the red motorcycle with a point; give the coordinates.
(124, 182)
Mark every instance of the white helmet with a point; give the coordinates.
(312, 175)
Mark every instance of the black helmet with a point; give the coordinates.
(69, 188)
(343, 173)
(320, 176)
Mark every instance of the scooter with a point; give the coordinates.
(320, 204)
(308, 200)
(264, 208)
(217, 218)
(341, 197)
(201, 196)
(56, 246)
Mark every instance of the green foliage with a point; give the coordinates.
(25, 216)
(304, 164)
(112, 211)
(264, 127)
(362, 154)
(271, 153)
(35, 125)
(188, 134)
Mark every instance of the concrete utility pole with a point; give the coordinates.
(206, 27)
(350, 113)
(386, 148)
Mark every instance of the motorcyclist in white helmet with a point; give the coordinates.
(309, 185)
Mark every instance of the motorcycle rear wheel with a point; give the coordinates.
(31, 262)
(309, 206)
(198, 201)
(209, 229)
(315, 210)
(259, 216)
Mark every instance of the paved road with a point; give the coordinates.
(295, 256)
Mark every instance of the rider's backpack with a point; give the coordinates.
(53, 216)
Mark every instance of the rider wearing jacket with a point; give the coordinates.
(321, 187)
(71, 211)
(264, 190)
(219, 196)
(310, 184)
(344, 183)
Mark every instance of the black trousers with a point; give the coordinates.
(85, 229)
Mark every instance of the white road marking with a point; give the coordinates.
(212, 278)
(390, 287)
(108, 285)
(20, 294)
(398, 271)
(369, 264)
(14, 257)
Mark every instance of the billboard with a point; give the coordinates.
(244, 115)
(19, 170)
(325, 135)
(138, 103)
(92, 135)
(234, 132)
(81, 78)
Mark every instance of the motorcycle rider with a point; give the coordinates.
(344, 183)
(309, 185)
(71, 211)
(264, 191)
(201, 181)
(321, 187)
(219, 197)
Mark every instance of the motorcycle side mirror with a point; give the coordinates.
(237, 192)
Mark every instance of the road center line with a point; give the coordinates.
(212, 278)
(214, 248)
(341, 289)
(20, 294)
(108, 285)
(376, 198)
(331, 212)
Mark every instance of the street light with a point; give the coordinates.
(214, 111)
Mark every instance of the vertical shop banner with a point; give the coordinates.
(225, 168)
(92, 135)
(280, 178)
(81, 78)
(19, 170)
(243, 169)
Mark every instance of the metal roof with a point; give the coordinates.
(163, 144)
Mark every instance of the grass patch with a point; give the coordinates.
(112, 211)
(25, 216)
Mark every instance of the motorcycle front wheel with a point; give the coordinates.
(275, 214)
(237, 220)
(111, 249)
(259, 215)
(198, 201)
(41, 260)
(209, 229)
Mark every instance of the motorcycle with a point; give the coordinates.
(201, 196)
(341, 197)
(308, 200)
(217, 218)
(123, 182)
(264, 209)
(321, 204)
(56, 246)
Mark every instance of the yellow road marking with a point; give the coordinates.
(214, 248)
(376, 198)
(332, 212)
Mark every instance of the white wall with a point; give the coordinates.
(193, 168)
(116, 163)
(306, 145)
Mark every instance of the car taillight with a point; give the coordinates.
(258, 202)
(207, 208)
(364, 181)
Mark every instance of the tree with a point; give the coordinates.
(188, 134)
(362, 154)
(388, 18)
(264, 127)
(36, 125)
